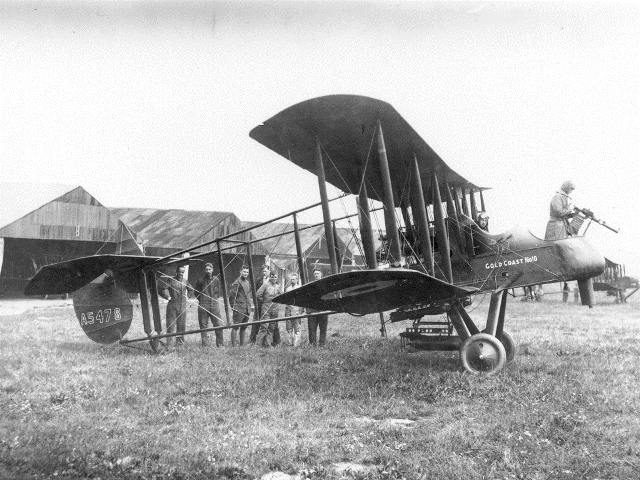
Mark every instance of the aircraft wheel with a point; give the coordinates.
(482, 354)
(508, 344)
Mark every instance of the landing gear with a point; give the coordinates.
(482, 354)
(487, 352)
(508, 343)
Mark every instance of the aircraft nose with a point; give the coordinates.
(580, 259)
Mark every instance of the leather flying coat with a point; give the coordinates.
(559, 217)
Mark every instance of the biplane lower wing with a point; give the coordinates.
(69, 276)
(369, 291)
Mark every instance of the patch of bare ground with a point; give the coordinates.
(567, 407)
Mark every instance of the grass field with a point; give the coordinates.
(568, 407)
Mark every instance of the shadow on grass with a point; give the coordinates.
(88, 347)
(95, 349)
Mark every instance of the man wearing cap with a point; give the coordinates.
(316, 322)
(266, 293)
(559, 225)
(293, 326)
(483, 221)
(207, 292)
(176, 290)
(261, 280)
(240, 301)
(560, 213)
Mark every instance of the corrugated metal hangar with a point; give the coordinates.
(76, 224)
(163, 232)
(280, 245)
(70, 226)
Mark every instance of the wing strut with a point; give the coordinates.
(144, 302)
(223, 286)
(419, 210)
(155, 302)
(366, 230)
(463, 200)
(389, 207)
(252, 278)
(441, 229)
(339, 257)
(326, 215)
(474, 208)
(296, 236)
(465, 229)
(453, 215)
(456, 202)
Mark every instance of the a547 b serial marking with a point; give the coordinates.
(100, 316)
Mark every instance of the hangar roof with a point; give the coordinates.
(74, 215)
(20, 199)
(285, 245)
(173, 228)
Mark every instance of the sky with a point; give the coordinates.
(149, 104)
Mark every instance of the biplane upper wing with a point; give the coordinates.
(345, 127)
(69, 276)
(369, 291)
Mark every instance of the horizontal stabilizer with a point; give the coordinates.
(369, 291)
(69, 276)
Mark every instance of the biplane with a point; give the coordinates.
(615, 281)
(436, 254)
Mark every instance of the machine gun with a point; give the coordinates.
(584, 213)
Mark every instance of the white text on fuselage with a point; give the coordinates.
(510, 263)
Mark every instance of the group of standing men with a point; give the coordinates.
(207, 291)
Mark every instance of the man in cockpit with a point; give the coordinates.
(483, 221)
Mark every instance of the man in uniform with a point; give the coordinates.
(560, 213)
(293, 326)
(176, 290)
(316, 322)
(261, 280)
(558, 227)
(207, 292)
(266, 293)
(240, 301)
